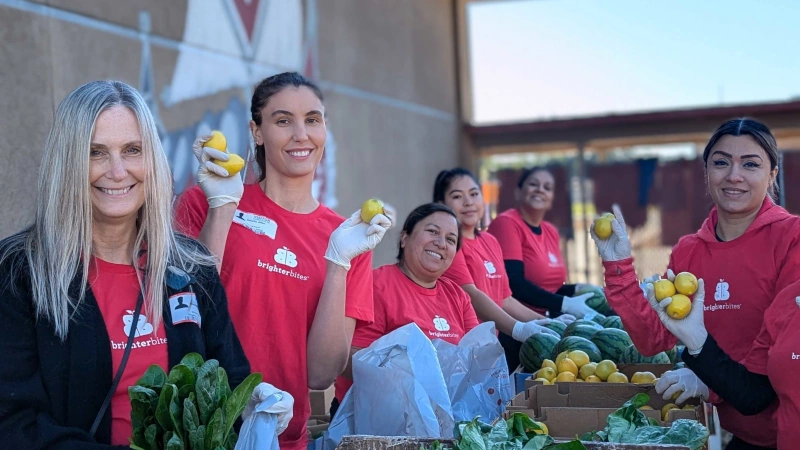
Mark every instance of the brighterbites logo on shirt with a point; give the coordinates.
(286, 258)
(721, 294)
(442, 328)
(491, 270)
(143, 328)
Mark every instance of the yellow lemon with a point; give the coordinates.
(593, 379)
(560, 358)
(549, 363)
(663, 289)
(217, 141)
(617, 377)
(567, 365)
(543, 380)
(676, 395)
(680, 306)
(579, 357)
(666, 409)
(233, 165)
(578, 380)
(688, 407)
(565, 377)
(643, 378)
(686, 283)
(548, 373)
(604, 369)
(608, 216)
(370, 208)
(587, 370)
(543, 427)
(646, 408)
(602, 228)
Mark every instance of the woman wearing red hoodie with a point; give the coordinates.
(745, 250)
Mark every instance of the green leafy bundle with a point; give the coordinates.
(629, 425)
(192, 408)
(519, 432)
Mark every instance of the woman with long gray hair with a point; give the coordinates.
(100, 286)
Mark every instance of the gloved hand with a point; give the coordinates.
(617, 247)
(354, 237)
(690, 330)
(566, 319)
(213, 179)
(577, 306)
(653, 279)
(596, 291)
(523, 330)
(283, 407)
(681, 380)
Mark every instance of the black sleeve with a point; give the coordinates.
(748, 392)
(25, 418)
(529, 293)
(222, 343)
(567, 290)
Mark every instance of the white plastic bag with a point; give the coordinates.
(477, 374)
(266, 416)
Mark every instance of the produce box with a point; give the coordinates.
(414, 443)
(627, 369)
(321, 401)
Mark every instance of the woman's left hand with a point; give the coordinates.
(354, 236)
(690, 330)
(597, 291)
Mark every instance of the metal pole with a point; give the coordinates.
(582, 175)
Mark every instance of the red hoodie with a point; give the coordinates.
(742, 277)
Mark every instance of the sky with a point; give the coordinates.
(547, 59)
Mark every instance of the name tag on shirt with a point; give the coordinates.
(255, 223)
(184, 308)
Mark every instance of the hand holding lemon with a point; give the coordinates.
(233, 163)
(608, 233)
(216, 170)
(680, 315)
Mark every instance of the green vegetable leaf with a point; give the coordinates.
(193, 361)
(624, 421)
(223, 387)
(205, 388)
(690, 433)
(136, 447)
(230, 441)
(154, 378)
(190, 418)
(185, 391)
(181, 376)
(167, 436)
(137, 439)
(471, 437)
(215, 432)
(163, 416)
(237, 401)
(197, 438)
(174, 443)
(151, 436)
(571, 445)
(538, 442)
(176, 415)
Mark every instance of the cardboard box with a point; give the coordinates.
(321, 401)
(627, 369)
(412, 443)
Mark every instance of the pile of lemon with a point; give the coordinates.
(574, 366)
(685, 284)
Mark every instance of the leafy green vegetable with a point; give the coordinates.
(192, 408)
(683, 431)
(518, 432)
(624, 421)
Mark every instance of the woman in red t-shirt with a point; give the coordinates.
(294, 310)
(532, 251)
(100, 275)
(413, 290)
(479, 269)
(747, 250)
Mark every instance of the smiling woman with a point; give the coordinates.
(86, 307)
(413, 290)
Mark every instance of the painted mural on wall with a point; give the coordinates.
(250, 40)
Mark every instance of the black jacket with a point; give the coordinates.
(51, 391)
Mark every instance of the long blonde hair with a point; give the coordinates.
(60, 239)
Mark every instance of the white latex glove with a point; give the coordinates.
(681, 380)
(690, 330)
(354, 237)
(566, 319)
(653, 279)
(213, 179)
(283, 408)
(617, 247)
(596, 291)
(523, 330)
(577, 306)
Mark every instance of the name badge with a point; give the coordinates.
(255, 223)
(184, 308)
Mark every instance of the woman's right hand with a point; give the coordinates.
(219, 188)
(354, 237)
(577, 306)
(617, 247)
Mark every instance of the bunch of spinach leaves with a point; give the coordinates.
(192, 408)
(629, 425)
(519, 432)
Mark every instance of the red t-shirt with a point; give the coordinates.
(273, 271)
(742, 277)
(541, 254)
(444, 312)
(116, 289)
(480, 262)
(776, 353)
